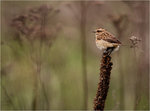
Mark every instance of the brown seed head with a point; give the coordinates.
(134, 41)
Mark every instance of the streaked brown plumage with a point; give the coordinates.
(106, 41)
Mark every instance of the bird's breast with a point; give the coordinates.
(102, 44)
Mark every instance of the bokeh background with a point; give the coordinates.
(49, 59)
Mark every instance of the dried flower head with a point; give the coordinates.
(134, 41)
(104, 80)
(119, 22)
(33, 24)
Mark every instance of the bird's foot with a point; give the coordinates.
(106, 52)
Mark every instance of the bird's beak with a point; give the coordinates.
(93, 31)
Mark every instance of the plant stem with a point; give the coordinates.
(43, 36)
(83, 43)
(103, 86)
(137, 82)
(36, 89)
(38, 81)
(8, 96)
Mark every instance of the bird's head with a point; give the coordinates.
(99, 31)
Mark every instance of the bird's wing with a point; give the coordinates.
(110, 38)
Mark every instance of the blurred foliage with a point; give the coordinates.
(60, 62)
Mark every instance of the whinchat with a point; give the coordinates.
(105, 41)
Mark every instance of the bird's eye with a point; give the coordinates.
(99, 31)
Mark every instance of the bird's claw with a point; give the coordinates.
(105, 52)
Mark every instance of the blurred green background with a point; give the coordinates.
(49, 59)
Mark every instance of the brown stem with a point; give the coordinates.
(120, 30)
(38, 81)
(8, 96)
(83, 43)
(103, 86)
(36, 93)
(43, 35)
(137, 82)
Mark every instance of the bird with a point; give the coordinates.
(106, 41)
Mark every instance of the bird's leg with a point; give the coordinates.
(105, 51)
(109, 50)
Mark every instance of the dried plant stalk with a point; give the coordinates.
(103, 86)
